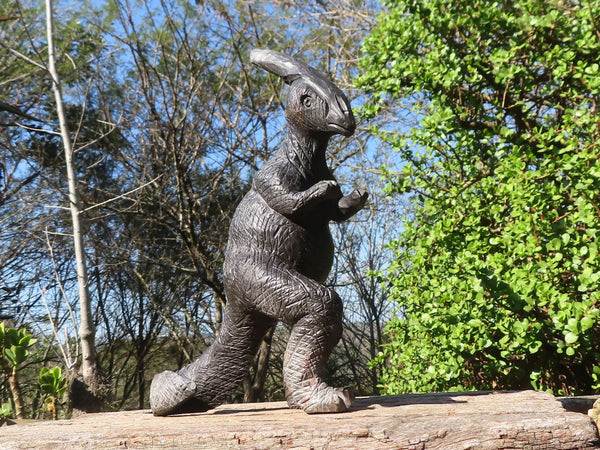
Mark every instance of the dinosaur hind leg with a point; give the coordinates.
(315, 314)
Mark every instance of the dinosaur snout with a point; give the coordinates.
(340, 118)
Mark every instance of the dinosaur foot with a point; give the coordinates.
(318, 397)
(169, 391)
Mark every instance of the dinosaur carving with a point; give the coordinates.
(278, 256)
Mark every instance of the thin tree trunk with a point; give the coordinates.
(89, 367)
(253, 389)
(218, 314)
(140, 345)
(53, 407)
(15, 389)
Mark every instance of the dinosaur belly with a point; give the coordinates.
(261, 236)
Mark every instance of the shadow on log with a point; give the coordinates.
(474, 420)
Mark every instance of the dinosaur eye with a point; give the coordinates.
(306, 101)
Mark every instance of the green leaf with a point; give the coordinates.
(15, 355)
(554, 245)
(11, 337)
(571, 338)
(587, 323)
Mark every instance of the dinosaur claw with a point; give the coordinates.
(320, 398)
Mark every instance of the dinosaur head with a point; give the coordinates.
(314, 103)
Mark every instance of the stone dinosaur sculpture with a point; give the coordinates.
(279, 253)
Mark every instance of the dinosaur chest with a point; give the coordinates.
(267, 236)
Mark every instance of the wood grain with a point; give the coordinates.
(480, 420)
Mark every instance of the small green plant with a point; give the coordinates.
(5, 411)
(53, 384)
(13, 351)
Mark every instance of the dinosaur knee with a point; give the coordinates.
(332, 312)
(315, 334)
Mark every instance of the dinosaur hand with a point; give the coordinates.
(352, 203)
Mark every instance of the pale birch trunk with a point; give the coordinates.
(89, 366)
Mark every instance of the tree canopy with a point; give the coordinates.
(496, 273)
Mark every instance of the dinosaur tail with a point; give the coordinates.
(208, 381)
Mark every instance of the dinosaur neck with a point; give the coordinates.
(307, 152)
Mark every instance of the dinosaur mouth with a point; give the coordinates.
(344, 131)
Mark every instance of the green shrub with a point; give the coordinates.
(497, 273)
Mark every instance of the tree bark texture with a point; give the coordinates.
(89, 366)
(472, 420)
(254, 386)
(15, 389)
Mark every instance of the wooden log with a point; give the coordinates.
(475, 420)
